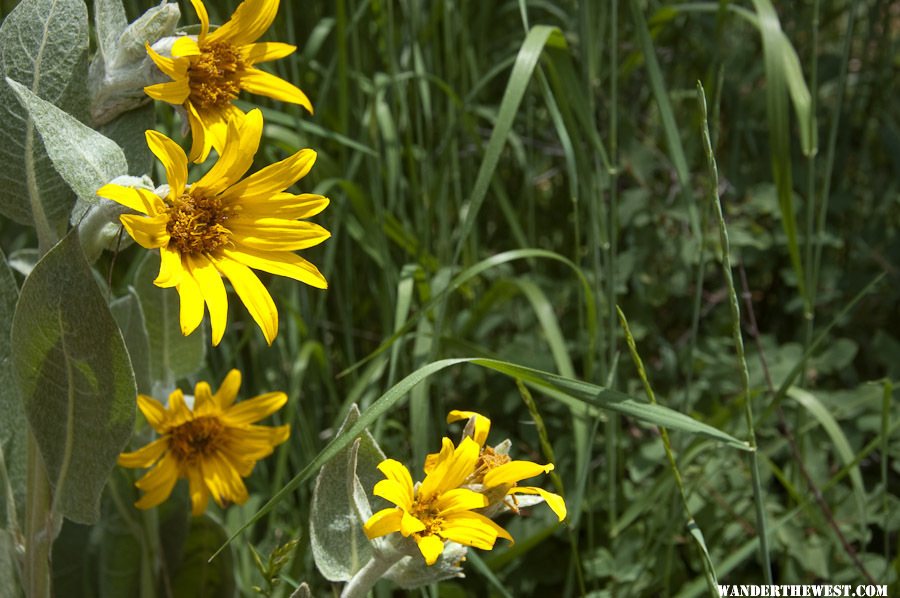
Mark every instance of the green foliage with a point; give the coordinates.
(74, 376)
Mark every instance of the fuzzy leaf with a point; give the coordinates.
(84, 158)
(12, 424)
(197, 576)
(74, 376)
(43, 46)
(172, 355)
(130, 318)
(339, 546)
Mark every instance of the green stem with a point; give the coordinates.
(38, 526)
(738, 341)
(366, 578)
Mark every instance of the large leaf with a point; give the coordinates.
(339, 546)
(84, 158)
(172, 355)
(74, 376)
(197, 577)
(130, 318)
(12, 423)
(43, 46)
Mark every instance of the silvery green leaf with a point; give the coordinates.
(12, 421)
(43, 46)
(121, 69)
(172, 355)
(130, 317)
(128, 130)
(8, 570)
(74, 377)
(339, 546)
(412, 572)
(84, 158)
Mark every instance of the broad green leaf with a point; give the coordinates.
(12, 423)
(172, 355)
(339, 546)
(130, 317)
(197, 577)
(74, 376)
(8, 571)
(128, 132)
(84, 158)
(120, 557)
(43, 46)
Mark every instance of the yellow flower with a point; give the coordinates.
(437, 510)
(208, 72)
(213, 445)
(224, 226)
(494, 473)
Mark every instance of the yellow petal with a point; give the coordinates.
(277, 234)
(385, 521)
(153, 411)
(254, 296)
(281, 263)
(410, 525)
(472, 529)
(431, 548)
(241, 144)
(199, 492)
(227, 392)
(512, 472)
(214, 125)
(201, 143)
(482, 424)
(213, 289)
(393, 492)
(147, 231)
(460, 499)
(223, 480)
(144, 456)
(157, 483)
(203, 16)
(154, 204)
(431, 482)
(431, 461)
(203, 401)
(170, 268)
(171, 92)
(452, 472)
(554, 501)
(396, 472)
(266, 51)
(173, 160)
(285, 205)
(185, 46)
(267, 84)
(272, 179)
(126, 196)
(172, 67)
(255, 409)
(249, 21)
(177, 409)
(191, 313)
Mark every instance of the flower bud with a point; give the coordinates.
(120, 71)
(98, 224)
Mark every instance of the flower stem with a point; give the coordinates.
(366, 578)
(38, 528)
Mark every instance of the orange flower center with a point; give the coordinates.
(426, 512)
(213, 75)
(200, 437)
(196, 224)
(488, 460)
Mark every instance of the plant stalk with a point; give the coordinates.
(366, 578)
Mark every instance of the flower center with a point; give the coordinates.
(199, 437)
(488, 460)
(212, 75)
(426, 512)
(196, 224)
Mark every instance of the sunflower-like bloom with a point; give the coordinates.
(436, 510)
(210, 70)
(213, 445)
(495, 474)
(224, 226)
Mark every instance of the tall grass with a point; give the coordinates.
(452, 131)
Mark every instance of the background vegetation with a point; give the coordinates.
(442, 150)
